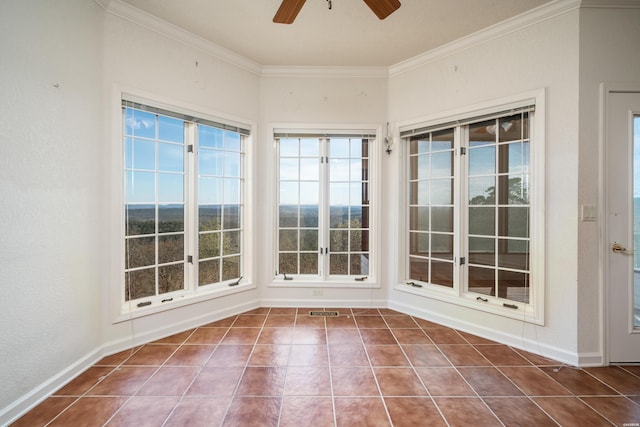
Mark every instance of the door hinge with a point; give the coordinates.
(463, 260)
(190, 148)
(463, 151)
(190, 259)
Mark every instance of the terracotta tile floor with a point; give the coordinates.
(368, 367)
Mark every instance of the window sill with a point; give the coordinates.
(494, 306)
(314, 283)
(181, 300)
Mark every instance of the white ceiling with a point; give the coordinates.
(347, 35)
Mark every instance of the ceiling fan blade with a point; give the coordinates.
(383, 8)
(288, 11)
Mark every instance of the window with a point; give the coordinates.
(474, 212)
(324, 207)
(183, 204)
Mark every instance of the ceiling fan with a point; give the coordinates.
(289, 9)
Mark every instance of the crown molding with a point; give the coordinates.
(325, 72)
(153, 23)
(610, 4)
(501, 29)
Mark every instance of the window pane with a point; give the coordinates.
(140, 219)
(514, 157)
(419, 244)
(482, 133)
(309, 216)
(510, 128)
(289, 193)
(170, 278)
(422, 170)
(140, 123)
(309, 193)
(210, 191)
(232, 217)
(418, 269)
(482, 280)
(170, 218)
(309, 240)
(339, 148)
(513, 189)
(289, 147)
(140, 187)
(442, 246)
(288, 240)
(419, 193)
(482, 161)
(230, 242)
(231, 191)
(338, 216)
(513, 254)
(442, 273)
(140, 154)
(513, 286)
(170, 157)
(513, 222)
(209, 162)
(338, 241)
(210, 217)
(339, 170)
(442, 164)
(208, 245)
(170, 129)
(309, 147)
(140, 284)
(419, 146)
(289, 169)
(309, 169)
(482, 251)
(209, 137)
(442, 219)
(442, 191)
(359, 241)
(482, 190)
(170, 188)
(482, 221)
(140, 252)
(170, 248)
(288, 216)
(442, 140)
(232, 164)
(419, 218)
(232, 141)
(339, 264)
(288, 263)
(208, 272)
(359, 264)
(230, 268)
(309, 263)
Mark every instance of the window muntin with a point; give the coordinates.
(431, 209)
(219, 205)
(183, 219)
(493, 227)
(323, 219)
(498, 208)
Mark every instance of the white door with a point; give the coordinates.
(622, 145)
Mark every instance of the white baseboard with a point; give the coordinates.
(326, 303)
(27, 402)
(515, 341)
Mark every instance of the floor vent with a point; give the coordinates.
(323, 313)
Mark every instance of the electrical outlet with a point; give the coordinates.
(317, 292)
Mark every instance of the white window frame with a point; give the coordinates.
(533, 311)
(123, 310)
(326, 280)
